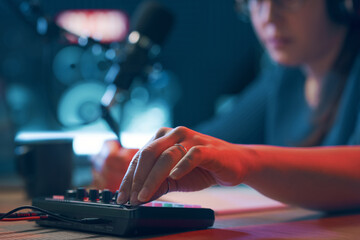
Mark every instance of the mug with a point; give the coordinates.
(46, 165)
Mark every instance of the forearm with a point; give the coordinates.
(325, 178)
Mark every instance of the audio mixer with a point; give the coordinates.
(105, 216)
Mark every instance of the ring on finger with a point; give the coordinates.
(181, 146)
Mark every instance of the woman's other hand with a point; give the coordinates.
(110, 165)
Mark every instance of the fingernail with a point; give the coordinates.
(174, 173)
(121, 198)
(143, 195)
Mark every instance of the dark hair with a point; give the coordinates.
(324, 115)
(344, 11)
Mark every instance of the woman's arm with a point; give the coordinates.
(324, 178)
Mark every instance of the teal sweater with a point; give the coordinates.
(273, 110)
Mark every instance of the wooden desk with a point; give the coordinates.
(286, 223)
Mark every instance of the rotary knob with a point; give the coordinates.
(81, 193)
(116, 195)
(93, 195)
(70, 194)
(106, 196)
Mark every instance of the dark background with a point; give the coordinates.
(210, 50)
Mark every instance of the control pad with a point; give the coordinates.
(122, 220)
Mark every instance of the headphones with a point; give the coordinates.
(344, 11)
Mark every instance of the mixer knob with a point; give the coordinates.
(106, 196)
(93, 195)
(116, 195)
(81, 193)
(70, 194)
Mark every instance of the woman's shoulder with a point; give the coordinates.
(349, 110)
(355, 71)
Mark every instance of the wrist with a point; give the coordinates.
(255, 162)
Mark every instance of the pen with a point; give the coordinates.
(106, 115)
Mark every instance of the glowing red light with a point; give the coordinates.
(103, 25)
(58, 197)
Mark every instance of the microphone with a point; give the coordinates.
(152, 22)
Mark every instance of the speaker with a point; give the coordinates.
(344, 11)
(80, 104)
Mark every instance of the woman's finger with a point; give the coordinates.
(161, 132)
(195, 180)
(127, 182)
(125, 187)
(191, 160)
(160, 171)
(163, 189)
(147, 159)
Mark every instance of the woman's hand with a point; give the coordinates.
(110, 165)
(181, 159)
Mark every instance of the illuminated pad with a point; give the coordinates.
(169, 204)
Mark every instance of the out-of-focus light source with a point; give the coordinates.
(103, 25)
(134, 37)
(86, 143)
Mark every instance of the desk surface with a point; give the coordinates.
(284, 223)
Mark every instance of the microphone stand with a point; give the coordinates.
(107, 101)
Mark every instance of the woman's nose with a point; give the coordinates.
(267, 11)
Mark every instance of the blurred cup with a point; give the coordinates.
(45, 165)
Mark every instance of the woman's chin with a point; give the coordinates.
(285, 59)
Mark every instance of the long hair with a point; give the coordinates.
(330, 96)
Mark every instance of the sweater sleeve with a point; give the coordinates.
(355, 137)
(244, 121)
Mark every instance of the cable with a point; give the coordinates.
(18, 215)
(56, 216)
(25, 218)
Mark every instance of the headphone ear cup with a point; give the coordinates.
(344, 11)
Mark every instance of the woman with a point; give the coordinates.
(308, 96)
